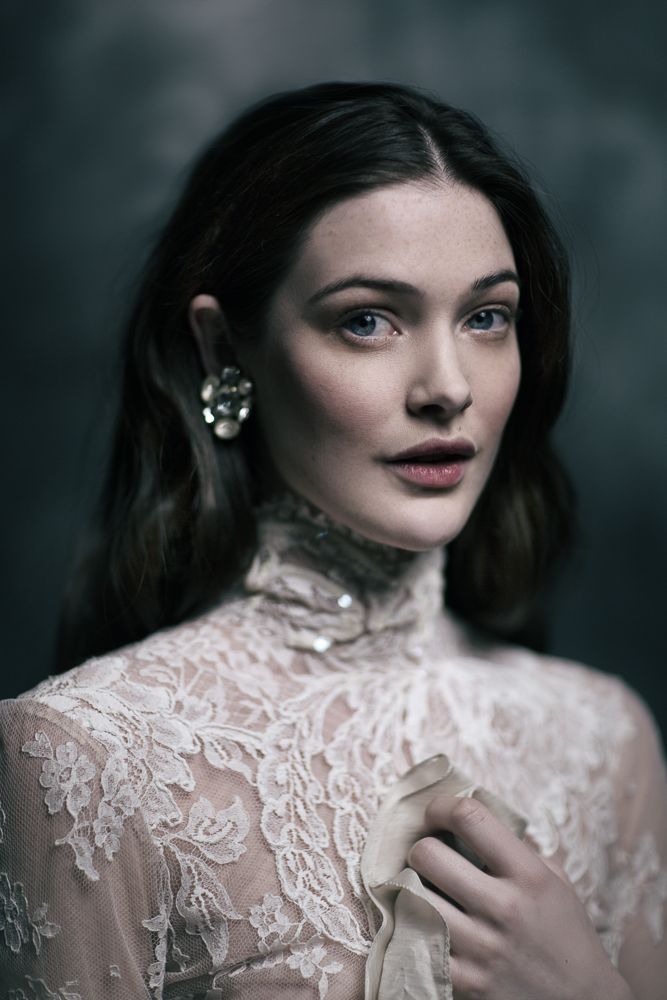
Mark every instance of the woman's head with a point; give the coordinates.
(394, 329)
(257, 202)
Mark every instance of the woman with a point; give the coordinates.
(205, 812)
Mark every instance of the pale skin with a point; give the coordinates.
(345, 379)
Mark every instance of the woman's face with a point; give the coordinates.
(395, 330)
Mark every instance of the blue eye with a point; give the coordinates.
(489, 320)
(368, 324)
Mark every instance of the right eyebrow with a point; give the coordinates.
(365, 281)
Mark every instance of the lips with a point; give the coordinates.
(436, 450)
(435, 464)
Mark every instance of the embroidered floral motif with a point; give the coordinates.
(16, 925)
(120, 801)
(271, 923)
(638, 883)
(159, 924)
(220, 834)
(209, 835)
(66, 774)
(108, 827)
(279, 941)
(155, 970)
(299, 837)
(308, 957)
(40, 991)
(202, 899)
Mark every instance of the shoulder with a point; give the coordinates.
(561, 672)
(140, 675)
(59, 785)
(612, 698)
(580, 697)
(141, 724)
(615, 712)
(96, 736)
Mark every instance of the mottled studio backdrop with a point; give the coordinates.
(105, 102)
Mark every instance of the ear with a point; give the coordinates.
(211, 332)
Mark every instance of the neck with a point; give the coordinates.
(334, 588)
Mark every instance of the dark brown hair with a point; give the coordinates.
(176, 524)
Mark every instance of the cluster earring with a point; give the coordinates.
(228, 399)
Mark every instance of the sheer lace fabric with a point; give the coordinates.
(185, 817)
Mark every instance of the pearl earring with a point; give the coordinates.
(228, 399)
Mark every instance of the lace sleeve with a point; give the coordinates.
(79, 877)
(637, 888)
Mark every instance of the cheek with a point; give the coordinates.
(498, 390)
(508, 390)
(319, 397)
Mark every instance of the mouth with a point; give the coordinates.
(435, 464)
(437, 450)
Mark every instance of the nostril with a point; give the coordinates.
(440, 410)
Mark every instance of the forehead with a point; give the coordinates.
(441, 234)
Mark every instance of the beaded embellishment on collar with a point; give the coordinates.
(333, 589)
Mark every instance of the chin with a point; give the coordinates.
(420, 524)
(415, 531)
(418, 538)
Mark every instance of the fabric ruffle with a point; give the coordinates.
(409, 956)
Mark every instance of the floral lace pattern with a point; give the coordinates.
(17, 927)
(38, 990)
(251, 749)
(67, 774)
(279, 940)
(639, 885)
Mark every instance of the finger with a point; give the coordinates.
(450, 873)
(462, 930)
(502, 853)
(467, 979)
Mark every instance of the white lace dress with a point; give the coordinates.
(184, 818)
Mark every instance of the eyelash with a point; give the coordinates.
(509, 315)
(361, 312)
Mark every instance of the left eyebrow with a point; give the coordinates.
(495, 278)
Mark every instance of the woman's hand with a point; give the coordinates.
(521, 932)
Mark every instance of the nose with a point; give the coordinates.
(439, 387)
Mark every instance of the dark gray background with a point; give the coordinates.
(105, 103)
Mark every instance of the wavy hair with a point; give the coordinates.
(175, 524)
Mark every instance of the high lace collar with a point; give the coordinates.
(339, 595)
